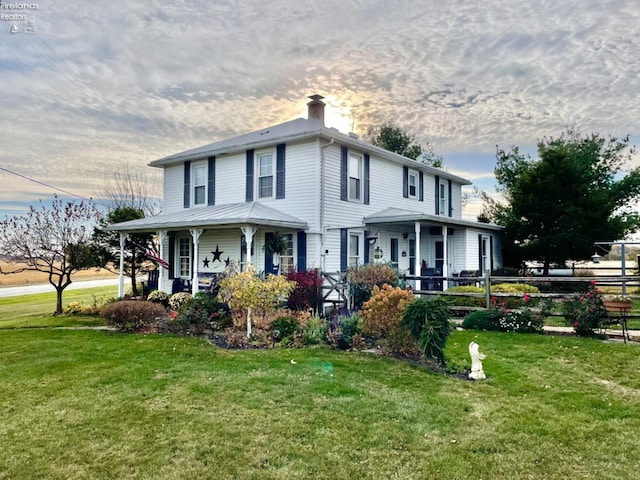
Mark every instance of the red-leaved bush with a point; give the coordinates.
(132, 315)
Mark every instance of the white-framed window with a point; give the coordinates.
(184, 257)
(442, 198)
(485, 254)
(354, 250)
(265, 174)
(394, 252)
(355, 177)
(199, 184)
(413, 184)
(286, 258)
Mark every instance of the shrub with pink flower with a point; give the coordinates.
(586, 312)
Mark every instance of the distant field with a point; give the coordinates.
(34, 278)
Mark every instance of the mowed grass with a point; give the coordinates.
(35, 311)
(78, 404)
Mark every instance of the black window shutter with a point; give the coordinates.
(211, 182)
(491, 252)
(187, 184)
(366, 247)
(172, 257)
(480, 266)
(268, 258)
(450, 202)
(344, 179)
(437, 195)
(280, 170)
(249, 194)
(302, 251)
(367, 163)
(344, 248)
(405, 182)
(421, 186)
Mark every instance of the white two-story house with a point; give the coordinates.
(337, 200)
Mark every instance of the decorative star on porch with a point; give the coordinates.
(217, 254)
(227, 262)
(205, 262)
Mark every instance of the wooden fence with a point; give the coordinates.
(336, 293)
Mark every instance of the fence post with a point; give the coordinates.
(487, 288)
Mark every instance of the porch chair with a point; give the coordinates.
(152, 282)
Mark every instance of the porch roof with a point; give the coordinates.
(398, 215)
(224, 216)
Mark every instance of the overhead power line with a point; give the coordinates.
(39, 182)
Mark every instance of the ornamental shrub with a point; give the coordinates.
(314, 331)
(463, 301)
(158, 296)
(514, 288)
(343, 330)
(283, 328)
(132, 315)
(383, 311)
(363, 278)
(78, 308)
(307, 292)
(428, 322)
(482, 320)
(586, 312)
(200, 312)
(178, 299)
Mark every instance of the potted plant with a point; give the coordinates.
(275, 245)
(617, 303)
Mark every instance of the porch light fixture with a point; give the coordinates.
(405, 235)
(595, 258)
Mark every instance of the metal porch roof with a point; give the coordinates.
(398, 215)
(227, 215)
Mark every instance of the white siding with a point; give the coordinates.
(472, 262)
(173, 188)
(231, 178)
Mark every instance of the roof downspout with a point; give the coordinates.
(322, 225)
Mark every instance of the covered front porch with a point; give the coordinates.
(431, 245)
(197, 244)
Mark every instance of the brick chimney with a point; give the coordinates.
(316, 108)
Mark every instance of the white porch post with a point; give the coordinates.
(445, 257)
(248, 233)
(418, 261)
(121, 276)
(195, 233)
(162, 236)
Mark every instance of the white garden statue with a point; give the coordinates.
(476, 362)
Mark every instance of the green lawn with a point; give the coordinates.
(33, 311)
(95, 404)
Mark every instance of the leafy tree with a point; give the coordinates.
(246, 291)
(135, 244)
(55, 240)
(575, 194)
(391, 137)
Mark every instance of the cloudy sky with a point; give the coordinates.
(101, 85)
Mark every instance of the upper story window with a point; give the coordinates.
(265, 175)
(413, 184)
(442, 198)
(355, 177)
(199, 184)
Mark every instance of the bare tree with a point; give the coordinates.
(55, 240)
(136, 189)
